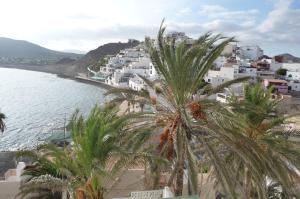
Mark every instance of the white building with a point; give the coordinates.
(179, 37)
(136, 83)
(247, 72)
(249, 52)
(294, 85)
(230, 49)
(217, 77)
(289, 66)
(293, 75)
(142, 65)
(266, 74)
(220, 62)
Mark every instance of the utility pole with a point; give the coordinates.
(65, 130)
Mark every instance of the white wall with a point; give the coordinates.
(220, 61)
(292, 75)
(136, 84)
(222, 97)
(218, 77)
(291, 66)
(250, 52)
(295, 86)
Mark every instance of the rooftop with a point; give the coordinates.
(276, 80)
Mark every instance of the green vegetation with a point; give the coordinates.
(102, 62)
(84, 170)
(281, 72)
(270, 154)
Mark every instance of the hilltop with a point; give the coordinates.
(71, 69)
(286, 57)
(24, 52)
(95, 55)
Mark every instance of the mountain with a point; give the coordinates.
(20, 51)
(25, 55)
(95, 55)
(286, 57)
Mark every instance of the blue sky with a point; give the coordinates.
(86, 24)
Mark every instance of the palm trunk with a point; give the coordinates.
(179, 178)
(180, 170)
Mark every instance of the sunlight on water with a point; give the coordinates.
(36, 102)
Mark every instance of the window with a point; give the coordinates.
(208, 80)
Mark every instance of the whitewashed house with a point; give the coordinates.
(247, 72)
(249, 52)
(293, 75)
(143, 66)
(220, 62)
(136, 83)
(217, 77)
(230, 49)
(294, 86)
(289, 66)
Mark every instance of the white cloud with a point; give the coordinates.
(84, 25)
(184, 11)
(217, 11)
(276, 16)
(281, 26)
(210, 10)
(282, 23)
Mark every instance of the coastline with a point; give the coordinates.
(8, 159)
(53, 69)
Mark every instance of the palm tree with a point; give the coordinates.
(88, 165)
(42, 179)
(181, 68)
(272, 159)
(2, 124)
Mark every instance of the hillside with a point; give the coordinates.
(287, 58)
(26, 55)
(24, 52)
(95, 55)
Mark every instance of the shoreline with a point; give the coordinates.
(76, 78)
(47, 69)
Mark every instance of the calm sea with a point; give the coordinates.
(35, 103)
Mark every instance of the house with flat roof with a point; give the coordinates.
(278, 85)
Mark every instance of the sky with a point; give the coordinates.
(86, 24)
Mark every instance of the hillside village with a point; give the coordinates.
(124, 69)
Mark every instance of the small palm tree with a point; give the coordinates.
(85, 168)
(42, 179)
(2, 124)
(272, 159)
